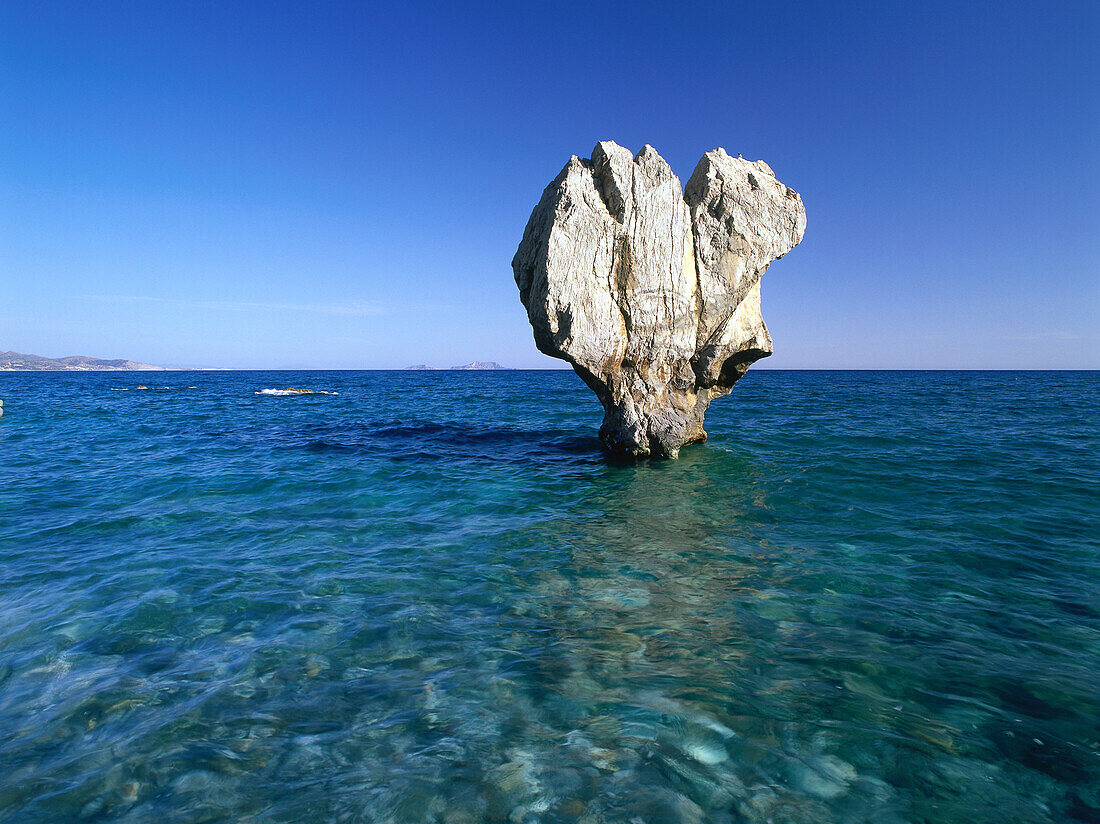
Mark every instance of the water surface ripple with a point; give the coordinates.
(871, 597)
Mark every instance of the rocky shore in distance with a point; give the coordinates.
(18, 362)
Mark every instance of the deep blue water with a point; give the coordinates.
(870, 597)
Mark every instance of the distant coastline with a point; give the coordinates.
(475, 366)
(18, 362)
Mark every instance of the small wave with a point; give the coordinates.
(292, 391)
(128, 388)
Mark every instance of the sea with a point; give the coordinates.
(430, 597)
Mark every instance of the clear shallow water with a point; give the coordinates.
(870, 597)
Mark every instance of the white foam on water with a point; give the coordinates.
(292, 391)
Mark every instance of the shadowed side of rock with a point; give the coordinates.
(650, 293)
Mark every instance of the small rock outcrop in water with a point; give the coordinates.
(650, 291)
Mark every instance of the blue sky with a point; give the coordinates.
(266, 185)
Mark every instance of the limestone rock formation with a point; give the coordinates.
(650, 291)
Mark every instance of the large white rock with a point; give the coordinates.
(652, 292)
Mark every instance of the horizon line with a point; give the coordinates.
(548, 369)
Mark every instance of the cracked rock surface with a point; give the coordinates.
(651, 291)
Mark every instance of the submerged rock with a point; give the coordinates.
(650, 291)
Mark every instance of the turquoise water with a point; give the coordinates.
(871, 597)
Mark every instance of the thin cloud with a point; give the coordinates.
(350, 307)
(1050, 336)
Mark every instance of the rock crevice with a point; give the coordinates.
(652, 291)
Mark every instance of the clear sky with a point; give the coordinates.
(343, 185)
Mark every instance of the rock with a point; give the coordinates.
(823, 776)
(706, 752)
(652, 292)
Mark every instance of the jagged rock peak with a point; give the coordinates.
(652, 291)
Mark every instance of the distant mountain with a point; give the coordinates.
(475, 366)
(17, 362)
(481, 365)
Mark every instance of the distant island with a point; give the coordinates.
(18, 362)
(479, 366)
